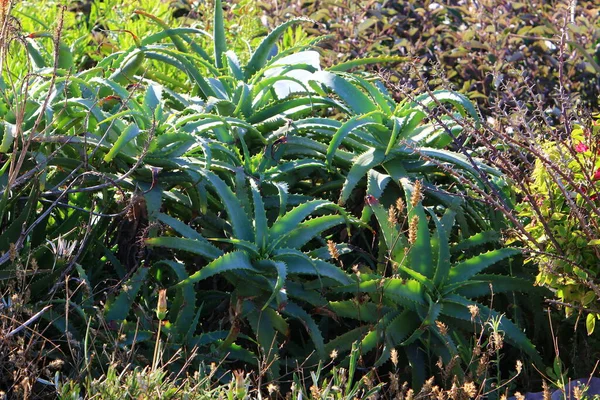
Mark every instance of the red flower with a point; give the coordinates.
(581, 147)
(596, 175)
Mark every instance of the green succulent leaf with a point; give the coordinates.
(469, 268)
(236, 260)
(118, 308)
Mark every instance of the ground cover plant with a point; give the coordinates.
(183, 215)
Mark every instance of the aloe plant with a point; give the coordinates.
(398, 140)
(424, 296)
(267, 261)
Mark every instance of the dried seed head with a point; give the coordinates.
(392, 216)
(438, 393)
(410, 394)
(474, 310)
(519, 366)
(470, 389)
(546, 391)
(333, 355)
(428, 385)
(578, 392)
(400, 206)
(417, 195)
(439, 363)
(453, 392)
(272, 388)
(394, 357)
(161, 307)
(315, 392)
(333, 251)
(483, 364)
(442, 327)
(497, 341)
(519, 396)
(412, 229)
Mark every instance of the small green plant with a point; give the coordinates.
(562, 209)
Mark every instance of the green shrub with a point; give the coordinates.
(473, 49)
(562, 213)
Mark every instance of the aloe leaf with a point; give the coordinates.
(402, 327)
(193, 246)
(365, 312)
(356, 100)
(239, 220)
(263, 324)
(118, 308)
(178, 36)
(282, 85)
(295, 311)
(484, 285)
(180, 61)
(281, 271)
(234, 66)
(417, 363)
(467, 269)
(261, 228)
(323, 253)
(443, 257)
(405, 292)
(344, 342)
(260, 56)
(297, 144)
(383, 101)
(219, 34)
(290, 107)
(153, 97)
(311, 229)
(420, 256)
(299, 292)
(479, 239)
(357, 122)
(362, 164)
(183, 229)
(422, 279)
(8, 136)
(457, 307)
(372, 339)
(461, 102)
(395, 241)
(34, 50)
(174, 36)
(130, 133)
(17, 227)
(295, 216)
(300, 264)
(236, 260)
(401, 290)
